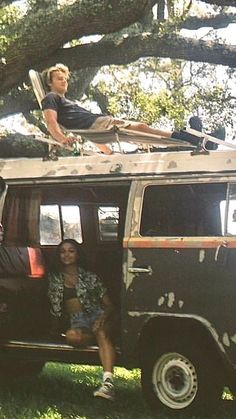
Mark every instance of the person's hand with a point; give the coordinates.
(69, 141)
(99, 323)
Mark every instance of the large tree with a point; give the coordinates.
(49, 31)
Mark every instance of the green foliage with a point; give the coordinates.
(164, 91)
(8, 16)
(158, 92)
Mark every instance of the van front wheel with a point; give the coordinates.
(179, 380)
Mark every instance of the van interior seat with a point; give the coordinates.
(21, 261)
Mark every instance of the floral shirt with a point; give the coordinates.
(89, 290)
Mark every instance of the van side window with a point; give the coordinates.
(108, 219)
(58, 222)
(184, 210)
(231, 218)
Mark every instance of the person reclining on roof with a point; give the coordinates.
(58, 110)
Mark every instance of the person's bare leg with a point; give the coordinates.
(142, 127)
(78, 337)
(107, 351)
(104, 148)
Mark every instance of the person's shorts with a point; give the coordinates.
(107, 122)
(84, 320)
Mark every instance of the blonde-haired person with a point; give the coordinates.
(58, 109)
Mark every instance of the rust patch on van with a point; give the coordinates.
(177, 243)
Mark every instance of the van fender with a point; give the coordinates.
(159, 325)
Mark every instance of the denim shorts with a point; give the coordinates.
(84, 320)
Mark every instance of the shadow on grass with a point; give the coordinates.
(66, 391)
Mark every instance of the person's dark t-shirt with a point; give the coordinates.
(69, 114)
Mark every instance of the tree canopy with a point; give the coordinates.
(42, 32)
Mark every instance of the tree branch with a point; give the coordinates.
(84, 17)
(20, 103)
(221, 3)
(219, 21)
(4, 3)
(146, 45)
(89, 57)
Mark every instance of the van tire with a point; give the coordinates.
(181, 379)
(15, 368)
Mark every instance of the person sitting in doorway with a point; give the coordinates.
(58, 110)
(83, 297)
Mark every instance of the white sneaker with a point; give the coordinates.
(106, 390)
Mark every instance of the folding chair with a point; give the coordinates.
(40, 92)
(95, 136)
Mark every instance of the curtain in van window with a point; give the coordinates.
(21, 217)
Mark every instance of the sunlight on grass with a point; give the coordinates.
(51, 413)
(227, 395)
(65, 391)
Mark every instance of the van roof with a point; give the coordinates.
(118, 165)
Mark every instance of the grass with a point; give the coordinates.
(65, 392)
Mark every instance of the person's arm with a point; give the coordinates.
(107, 305)
(54, 128)
(108, 311)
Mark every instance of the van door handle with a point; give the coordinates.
(221, 253)
(141, 269)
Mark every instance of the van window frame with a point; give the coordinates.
(172, 180)
(98, 234)
(61, 222)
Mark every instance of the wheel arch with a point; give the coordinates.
(165, 327)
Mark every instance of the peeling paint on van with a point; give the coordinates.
(172, 165)
(130, 275)
(233, 338)
(116, 168)
(201, 255)
(2, 164)
(161, 301)
(124, 165)
(51, 173)
(171, 299)
(180, 303)
(226, 340)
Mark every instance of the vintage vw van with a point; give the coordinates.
(160, 230)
